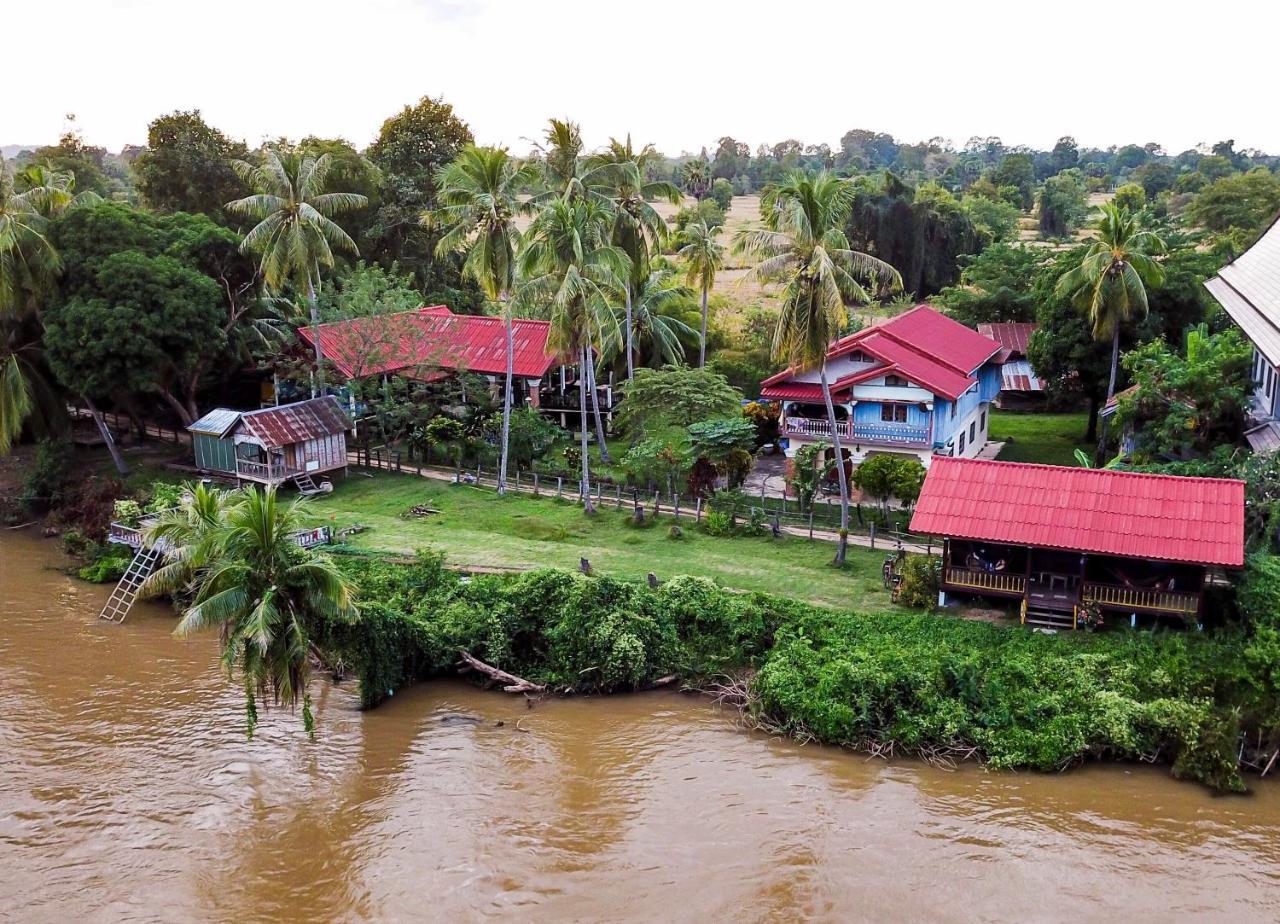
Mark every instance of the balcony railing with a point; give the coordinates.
(815, 427)
(994, 582)
(890, 433)
(1139, 598)
(265, 471)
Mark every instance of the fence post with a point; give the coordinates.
(397, 461)
(559, 486)
(617, 496)
(517, 480)
(677, 498)
(810, 522)
(378, 453)
(873, 534)
(535, 484)
(697, 514)
(479, 473)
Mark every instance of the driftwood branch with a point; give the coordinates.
(511, 683)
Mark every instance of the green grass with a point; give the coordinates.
(476, 528)
(1046, 438)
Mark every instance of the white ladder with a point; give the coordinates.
(306, 485)
(126, 591)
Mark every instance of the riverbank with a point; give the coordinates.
(885, 683)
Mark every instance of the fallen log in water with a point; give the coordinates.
(512, 683)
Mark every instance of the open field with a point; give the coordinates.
(476, 528)
(1046, 438)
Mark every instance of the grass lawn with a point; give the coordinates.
(477, 528)
(1046, 438)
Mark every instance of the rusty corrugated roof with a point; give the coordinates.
(293, 423)
(1165, 517)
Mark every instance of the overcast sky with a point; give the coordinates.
(679, 73)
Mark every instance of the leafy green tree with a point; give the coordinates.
(1018, 170)
(674, 397)
(86, 163)
(187, 165)
(480, 202)
(703, 257)
(1245, 202)
(144, 327)
(722, 193)
(411, 148)
(1185, 404)
(1063, 204)
(995, 285)
(1109, 285)
(877, 477)
(803, 247)
(695, 178)
(572, 272)
(993, 217)
(245, 576)
(295, 236)
(365, 290)
(1130, 196)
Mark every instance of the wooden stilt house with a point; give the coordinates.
(292, 442)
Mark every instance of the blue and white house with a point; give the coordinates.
(920, 385)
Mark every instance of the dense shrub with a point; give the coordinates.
(923, 684)
(107, 566)
(919, 587)
(46, 481)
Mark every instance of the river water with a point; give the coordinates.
(128, 792)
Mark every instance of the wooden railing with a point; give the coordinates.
(996, 582)
(1137, 598)
(810, 426)
(264, 471)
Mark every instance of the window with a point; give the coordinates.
(984, 421)
(896, 381)
(973, 430)
(893, 413)
(857, 356)
(961, 445)
(953, 410)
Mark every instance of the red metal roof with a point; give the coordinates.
(1012, 335)
(922, 345)
(294, 423)
(433, 338)
(1165, 517)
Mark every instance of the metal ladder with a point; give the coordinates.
(126, 591)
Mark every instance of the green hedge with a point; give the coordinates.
(925, 684)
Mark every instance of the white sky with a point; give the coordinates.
(1107, 73)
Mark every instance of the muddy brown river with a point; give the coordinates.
(128, 792)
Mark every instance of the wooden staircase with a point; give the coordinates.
(126, 590)
(307, 485)
(1041, 618)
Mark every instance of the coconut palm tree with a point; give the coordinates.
(479, 202)
(238, 569)
(656, 330)
(1109, 283)
(803, 247)
(570, 270)
(618, 175)
(703, 257)
(295, 236)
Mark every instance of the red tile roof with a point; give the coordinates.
(293, 423)
(1012, 335)
(923, 346)
(432, 338)
(1165, 517)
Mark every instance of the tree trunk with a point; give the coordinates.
(506, 401)
(585, 487)
(107, 437)
(1091, 432)
(631, 369)
(317, 385)
(843, 542)
(182, 410)
(702, 343)
(595, 410)
(1111, 390)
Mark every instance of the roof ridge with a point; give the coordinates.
(1006, 463)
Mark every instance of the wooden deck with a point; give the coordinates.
(1065, 593)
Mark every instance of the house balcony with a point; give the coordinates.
(1141, 599)
(875, 434)
(266, 472)
(1066, 592)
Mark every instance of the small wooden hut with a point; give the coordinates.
(275, 444)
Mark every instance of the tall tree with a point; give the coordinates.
(572, 271)
(703, 257)
(619, 175)
(480, 202)
(804, 248)
(1109, 285)
(295, 236)
(247, 578)
(656, 330)
(187, 165)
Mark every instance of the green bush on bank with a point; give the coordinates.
(924, 684)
